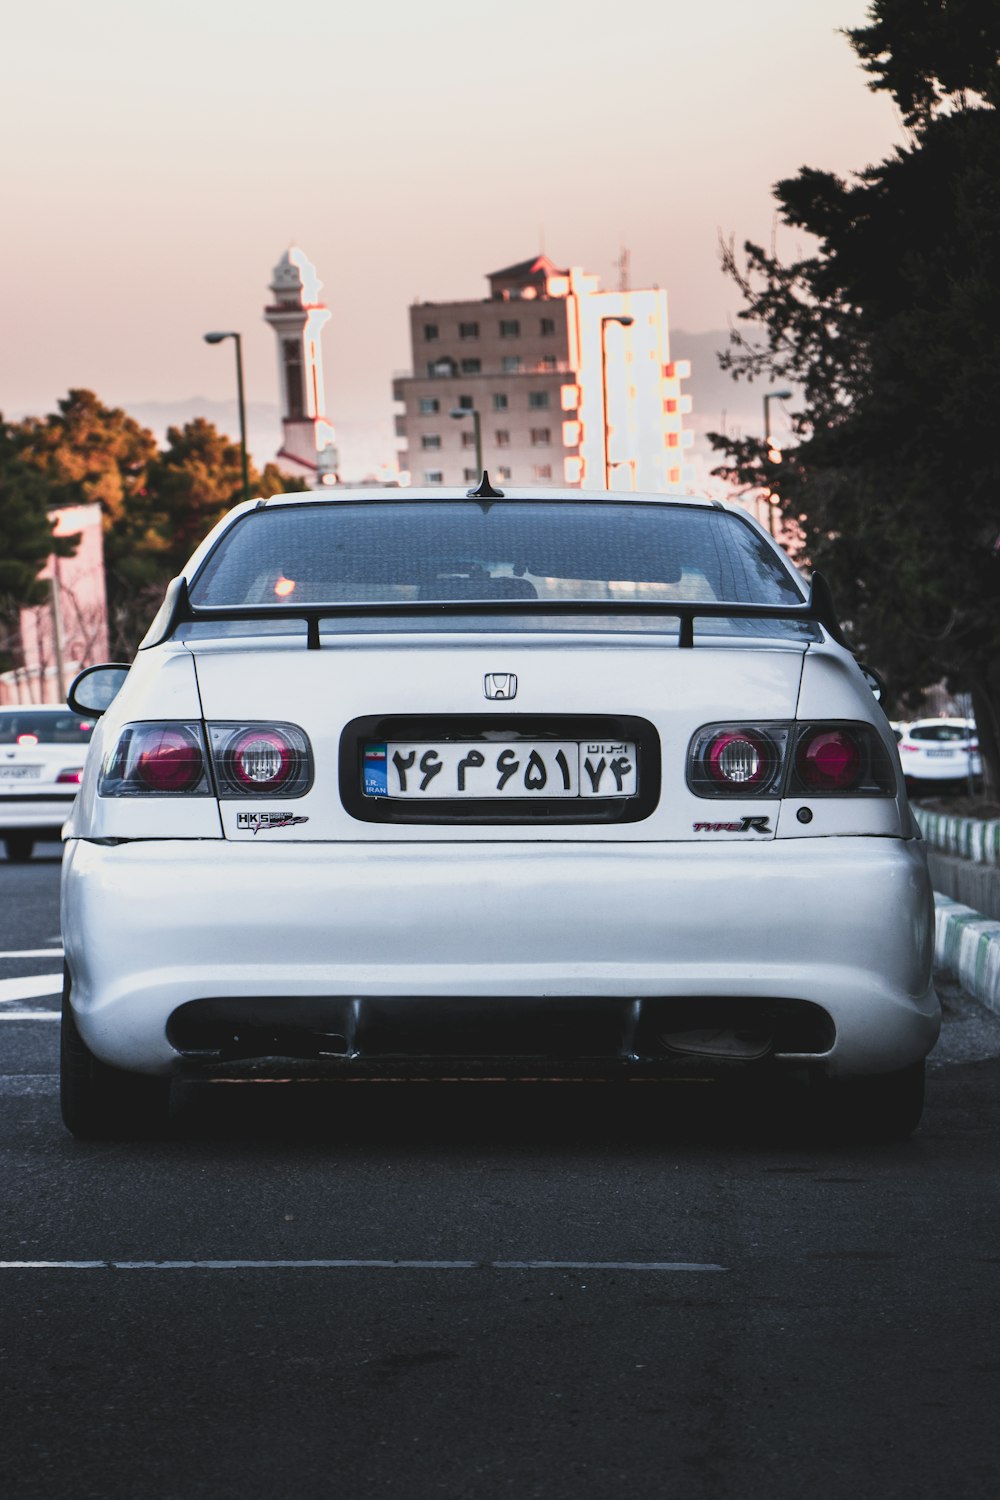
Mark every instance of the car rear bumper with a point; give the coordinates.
(845, 924)
(43, 816)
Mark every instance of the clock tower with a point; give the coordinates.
(297, 317)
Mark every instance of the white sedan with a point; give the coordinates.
(547, 785)
(42, 750)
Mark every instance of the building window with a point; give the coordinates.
(542, 471)
(430, 332)
(510, 328)
(430, 440)
(294, 391)
(433, 476)
(500, 402)
(547, 362)
(465, 403)
(445, 367)
(503, 439)
(548, 325)
(511, 364)
(468, 331)
(472, 366)
(429, 405)
(538, 400)
(469, 439)
(471, 474)
(504, 473)
(541, 437)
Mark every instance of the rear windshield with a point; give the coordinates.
(426, 551)
(941, 733)
(27, 726)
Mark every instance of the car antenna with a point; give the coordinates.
(485, 491)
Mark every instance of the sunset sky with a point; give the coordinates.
(159, 157)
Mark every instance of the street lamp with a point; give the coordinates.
(626, 321)
(217, 338)
(774, 454)
(470, 411)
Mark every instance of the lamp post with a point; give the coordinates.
(217, 338)
(774, 454)
(626, 321)
(470, 411)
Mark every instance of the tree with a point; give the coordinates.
(27, 539)
(888, 329)
(156, 505)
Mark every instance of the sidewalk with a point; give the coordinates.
(963, 855)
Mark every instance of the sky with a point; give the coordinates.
(159, 158)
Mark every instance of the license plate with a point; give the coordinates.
(941, 754)
(487, 770)
(20, 773)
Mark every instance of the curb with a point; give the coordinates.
(971, 838)
(968, 945)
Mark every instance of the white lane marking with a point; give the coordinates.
(29, 1015)
(361, 1265)
(30, 987)
(33, 953)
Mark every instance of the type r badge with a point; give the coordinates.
(260, 822)
(499, 685)
(745, 825)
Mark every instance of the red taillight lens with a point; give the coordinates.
(70, 777)
(170, 760)
(829, 760)
(261, 760)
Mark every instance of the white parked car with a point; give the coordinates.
(936, 750)
(42, 750)
(544, 785)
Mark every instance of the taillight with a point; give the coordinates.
(71, 776)
(829, 760)
(164, 759)
(789, 760)
(171, 759)
(260, 760)
(737, 760)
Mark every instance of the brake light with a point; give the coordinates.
(829, 761)
(737, 760)
(70, 777)
(159, 759)
(27, 741)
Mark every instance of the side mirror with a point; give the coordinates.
(94, 690)
(874, 681)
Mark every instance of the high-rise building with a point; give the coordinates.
(570, 385)
(298, 317)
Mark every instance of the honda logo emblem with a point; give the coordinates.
(500, 685)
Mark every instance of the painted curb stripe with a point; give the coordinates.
(968, 945)
(356, 1265)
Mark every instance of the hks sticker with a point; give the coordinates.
(262, 821)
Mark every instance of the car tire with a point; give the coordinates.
(18, 847)
(100, 1102)
(884, 1107)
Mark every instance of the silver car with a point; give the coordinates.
(42, 750)
(536, 784)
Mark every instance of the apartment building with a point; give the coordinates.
(557, 382)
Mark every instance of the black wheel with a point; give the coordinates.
(18, 847)
(100, 1102)
(884, 1107)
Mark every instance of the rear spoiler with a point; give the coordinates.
(177, 610)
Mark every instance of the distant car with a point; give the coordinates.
(42, 750)
(537, 783)
(938, 750)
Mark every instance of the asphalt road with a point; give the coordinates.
(529, 1291)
